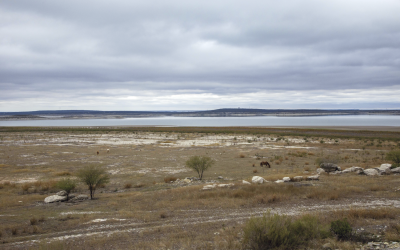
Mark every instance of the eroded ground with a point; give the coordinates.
(138, 210)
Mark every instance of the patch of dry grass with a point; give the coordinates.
(170, 179)
(63, 173)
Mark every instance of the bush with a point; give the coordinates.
(280, 231)
(394, 156)
(93, 177)
(199, 164)
(33, 221)
(342, 229)
(67, 185)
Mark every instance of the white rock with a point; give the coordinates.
(371, 172)
(80, 197)
(298, 178)
(320, 171)
(385, 169)
(186, 180)
(396, 170)
(62, 193)
(279, 181)
(208, 187)
(55, 198)
(257, 179)
(246, 182)
(225, 185)
(286, 179)
(313, 178)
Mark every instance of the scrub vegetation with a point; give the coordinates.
(148, 196)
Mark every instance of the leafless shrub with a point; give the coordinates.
(25, 187)
(33, 221)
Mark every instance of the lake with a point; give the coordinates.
(342, 120)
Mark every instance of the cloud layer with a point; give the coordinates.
(180, 55)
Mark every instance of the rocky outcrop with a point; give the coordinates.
(55, 198)
(286, 179)
(384, 169)
(298, 178)
(371, 172)
(62, 193)
(320, 171)
(208, 187)
(353, 169)
(396, 170)
(258, 180)
(81, 197)
(313, 178)
(329, 167)
(225, 185)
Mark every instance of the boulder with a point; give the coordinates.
(257, 179)
(286, 179)
(187, 180)
(55, 198)
(320, 171)
(336, 172)
(80, 197)
(384, 169)
(298, 178)
(329, 167)
(371, 172)
(208, 187)
(396, 170)
(220, 177)
(313, 178)
(279, 181)
(246, 182)
(353, 169)
(225, 185)
(62, 193)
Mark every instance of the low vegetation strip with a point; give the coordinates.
(328, 133)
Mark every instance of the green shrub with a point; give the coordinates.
(67, 185)
(199, 164)
(93, 177)
(281, 231)
(394, 156)
(342, 229)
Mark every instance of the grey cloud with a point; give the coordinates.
(224, 47)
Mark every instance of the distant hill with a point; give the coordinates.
(224, 112)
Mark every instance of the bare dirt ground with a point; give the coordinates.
(138, 210)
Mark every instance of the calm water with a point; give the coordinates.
(349, 120)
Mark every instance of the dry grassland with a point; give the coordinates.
(144, 207)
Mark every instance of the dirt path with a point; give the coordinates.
(182, 218)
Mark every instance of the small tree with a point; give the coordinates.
(394, 156)
(199, 164)
(93, 176)
(67, 185)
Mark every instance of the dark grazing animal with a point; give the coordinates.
(265, 163)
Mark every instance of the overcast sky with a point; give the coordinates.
(196, 55)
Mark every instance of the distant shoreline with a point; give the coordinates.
(92, 114)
